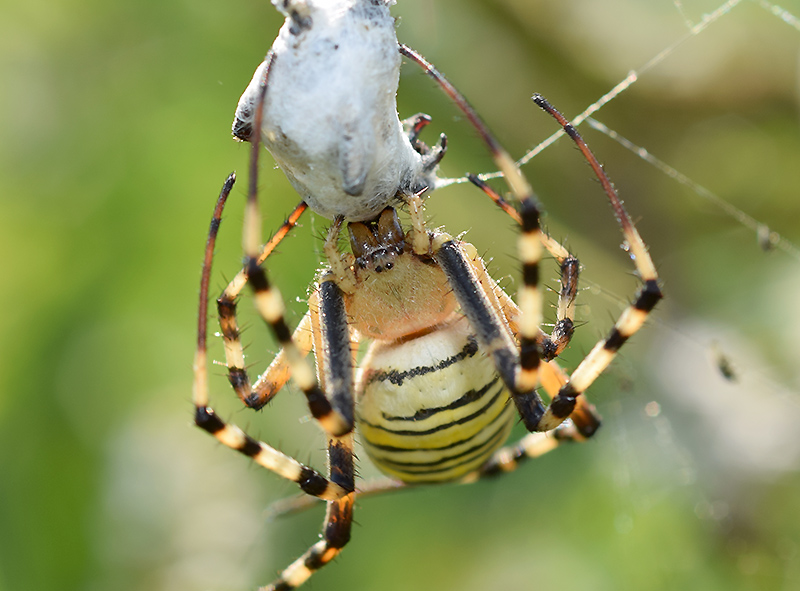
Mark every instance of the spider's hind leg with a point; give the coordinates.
(334, 350)
(584, 423)
(336, 527)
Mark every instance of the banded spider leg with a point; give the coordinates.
(521, 376)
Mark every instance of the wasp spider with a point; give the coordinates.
(452, 362)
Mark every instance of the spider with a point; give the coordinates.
(452, 358)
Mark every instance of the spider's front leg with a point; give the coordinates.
(330, 335)
(309, 480)
(520, 372)
(634, 316)
(517, 367)
(496, 321)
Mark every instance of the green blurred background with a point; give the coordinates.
(115, 123)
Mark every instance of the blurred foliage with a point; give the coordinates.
(115, 120)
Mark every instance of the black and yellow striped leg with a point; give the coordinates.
(551, 377)
(516, 367)
(338, 375)
(308, 479)
(336, 371)
(584, 423)
(632, 318)
(200, 369)
(531, 446)
(564, 403)
(335, 412)
(553, 344)
(271, 307)
(258, 395)
(335, 420)
(337, 525)
(334, 353)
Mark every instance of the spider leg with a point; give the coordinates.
(333, 350)
(337, 524)
(518, 367)
(334, 353)
(584, 424)
(633, 317)
(553, 344)
(551, 376)
(263, 454)
(522, 380)
(478, 301)
(335, 415)
(200, 369)
(277, 374)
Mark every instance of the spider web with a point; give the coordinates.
(767, 237)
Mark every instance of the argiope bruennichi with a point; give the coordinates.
(449, 349)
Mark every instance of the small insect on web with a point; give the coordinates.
(448, 349)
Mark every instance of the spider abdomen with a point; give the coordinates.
(432, 408)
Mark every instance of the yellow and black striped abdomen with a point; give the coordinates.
(432, 408)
